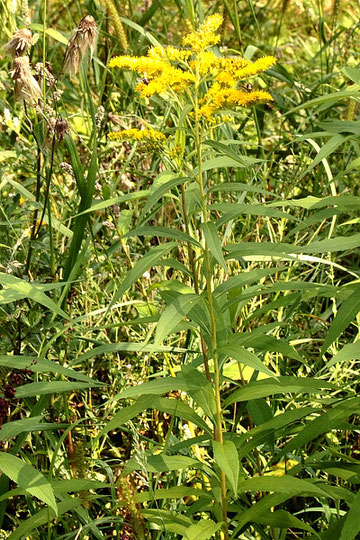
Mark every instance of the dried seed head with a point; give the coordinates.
(21, 40)
(58, 128)
(61, 129)
(46, 72)
(26, 86)
(83, 39)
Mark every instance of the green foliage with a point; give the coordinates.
(179, 322)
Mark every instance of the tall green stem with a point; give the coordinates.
(218, 435)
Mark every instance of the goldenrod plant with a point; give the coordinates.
(179, 282)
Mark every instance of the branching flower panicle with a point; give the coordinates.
(160, 75)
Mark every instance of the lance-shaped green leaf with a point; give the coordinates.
(24, 289)
(213, 242)
(203, 530)
(173, 314)
(267, 387)
(164, 232)
(226, 458)
(347, 312)
(149, 259)
(242, 355)
(28, 479)
(351, 526)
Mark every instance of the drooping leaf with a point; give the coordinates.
(28, 479)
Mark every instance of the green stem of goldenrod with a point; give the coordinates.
(218, 435)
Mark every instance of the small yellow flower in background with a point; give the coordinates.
(144, 135)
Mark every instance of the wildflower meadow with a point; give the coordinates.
(179, 270)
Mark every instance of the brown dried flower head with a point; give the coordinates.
(58, 128)
(83, 39)
(21, 40)
(47, 72)
(26, 86)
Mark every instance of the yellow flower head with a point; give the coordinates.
(218, 98)
(206, 35)
(143, 135)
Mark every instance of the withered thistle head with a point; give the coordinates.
(21, 40)
(83, 39)
(26, 86)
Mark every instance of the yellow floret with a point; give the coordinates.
(146, 135)
(204, 37)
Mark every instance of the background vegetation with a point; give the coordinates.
(107, 410)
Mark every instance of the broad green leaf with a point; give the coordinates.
(181, 307)
(351, 526)
(164, 232)
(350, 351)
(162, 189)
(51, 387)
(158, 463)
(181, 409)
(237, 186)
(28, 479)
(242, 355)
(283, 484)
(76, 485)
(158, 387)
(148, 260)
(322, 424)
(50, 32)
(346, 313)
(41, 365)
(129, 347)
(200, 389)
(101, 205)
(353, 74)
(203, 530)
(328, 98)
(213, 242)
(226, 162)
(30, 290)
(176, 492)
(86, 188)
(170, 521)
(11, 429)
(328, 148)
(226, 458)
(233, 210)
(283, 385)
(42, 517)
(283, 520)
(262, 342)
(246, 278)
(127, 413)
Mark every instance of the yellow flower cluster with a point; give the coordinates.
(144, 135)
(219, 97)
(206, 35)
(159, 75)
(171, 53)
(232, 70)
